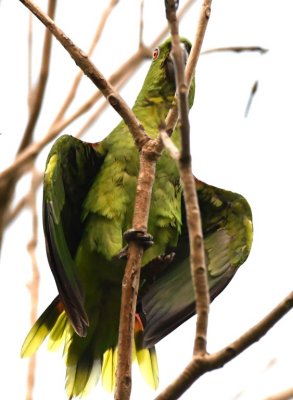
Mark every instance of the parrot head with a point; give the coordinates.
(159, 84)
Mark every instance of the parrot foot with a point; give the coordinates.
(141, 237)
(136, 235)
(157, 265)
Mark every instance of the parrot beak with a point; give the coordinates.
(170, 70)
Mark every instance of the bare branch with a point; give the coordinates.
(151, 151)
(82, 60)
(252, 94)
(169, 144)
(200, 365)
(192, 59)
(12, 214)
(36, 98)
(197, 255)
(102, 107)
(141, 24)
(236, 49)
(7, 185)
(30, 56)
(284, 395)
(75, 84)
(34, 285)
(22, 203)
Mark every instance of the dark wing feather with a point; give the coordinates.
(71, 167)
(167, 299)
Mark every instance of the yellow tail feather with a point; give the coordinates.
(146, 358)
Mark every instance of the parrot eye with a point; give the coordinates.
(156, 53)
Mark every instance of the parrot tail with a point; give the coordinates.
(43, 326)
(85, 368)
(146, 359)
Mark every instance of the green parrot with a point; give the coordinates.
(89, 192)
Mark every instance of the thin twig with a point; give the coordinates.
(197, 255)
(72, 92)
(141, 25)
(200, 365)
(34, 284)
(22, 203)
(91, 120)
(236, 49)
(12, 214)
(251, 96)
(29, 154)
(30, 58)
(192, 59)
(169, 144)
(82, 60)
(37, 96)
(284, 395)
(7, 185)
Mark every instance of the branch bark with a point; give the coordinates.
(200, 365)
(7, 186)
(284, 395)
(27, 156)
(148, 157)
(197, 256)
(37, 95)
(76, 82)
(34, 284)
(192, 59)
(236, 49)
(90, 70)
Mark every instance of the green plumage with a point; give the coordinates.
(89, 192)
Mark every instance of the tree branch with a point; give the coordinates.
(200, 365)
(236, 49)
(149, 155)
(82, 60)
(197, 255)
(76, 82)
(91, 120)
(192, 59)
(284, 395)
(7, 186)
(34, 284)
(37, 97)
(30, 58)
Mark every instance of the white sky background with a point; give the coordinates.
(252, 156)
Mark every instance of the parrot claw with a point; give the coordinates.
(123, 253)
(136, 235)
(139, 236)
(157, 265)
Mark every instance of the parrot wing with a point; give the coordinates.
(168, 298)
(71, 167)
